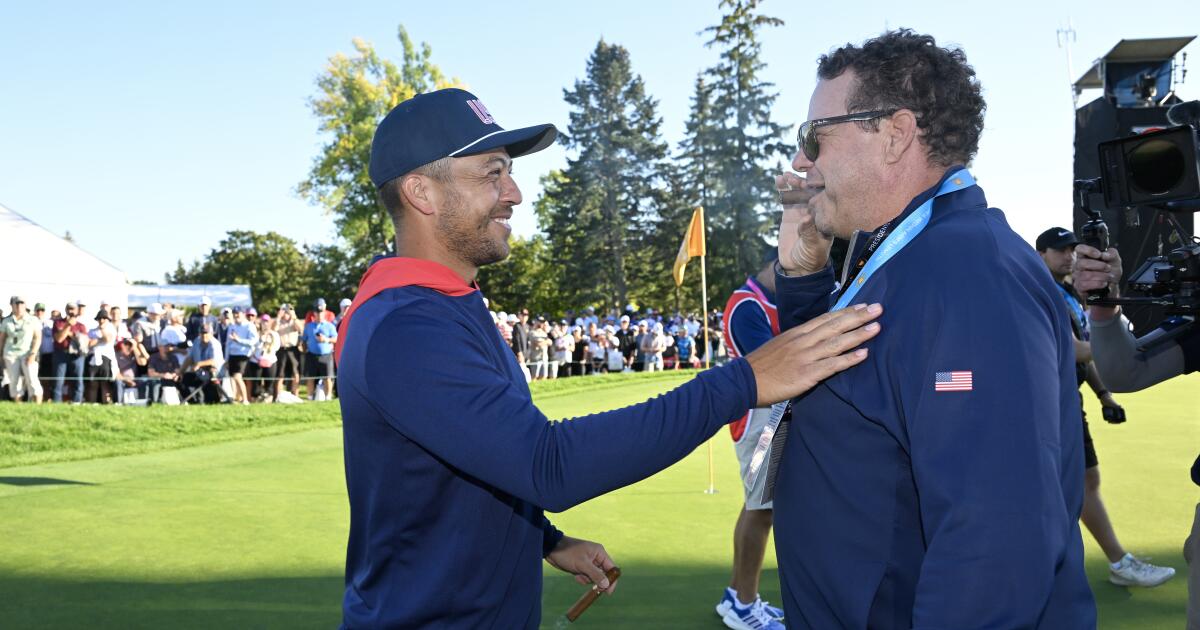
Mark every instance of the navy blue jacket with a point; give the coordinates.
(449, 465)
(899, 506)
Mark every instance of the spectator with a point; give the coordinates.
(242, 339)
(564, 346)
(685, 349)
(639, 358)
(266, 357)
(20, 347)
(175, 335)
(46, 350)
(652, 345)
(203, 363)
(117, 316)
(70, 353)
(627, 342)
(520, 337)
(163, 370)
(199, 318)
(539, 348)
(597, 349)
(319, 337)
(81, 314)
(102, 361)
(223, 324)
(613, 358)
(580, 358)
(319, 313)
(504, 323)
(288, 365)
(146, 330)
(129, 356)
(342, 306)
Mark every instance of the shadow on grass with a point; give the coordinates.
(41, 481)
(299, 602)
(649, 595)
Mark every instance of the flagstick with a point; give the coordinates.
(712, 487)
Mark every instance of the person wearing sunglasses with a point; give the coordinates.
(939, 486)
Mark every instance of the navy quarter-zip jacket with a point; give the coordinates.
(899, 506)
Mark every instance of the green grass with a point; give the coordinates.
(251, 532)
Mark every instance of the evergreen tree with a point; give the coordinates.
(731, 141)
(596, 212)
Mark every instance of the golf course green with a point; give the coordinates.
(221, 517)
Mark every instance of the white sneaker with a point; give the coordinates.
(752, 617)
(729, 597)
(1132, 571)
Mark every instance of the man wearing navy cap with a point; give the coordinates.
(1057, 249)
(940, 484)
(448, 463)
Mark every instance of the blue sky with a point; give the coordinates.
(150, 129)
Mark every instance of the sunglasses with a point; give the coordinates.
(806, 136)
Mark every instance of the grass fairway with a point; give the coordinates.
(249, 532)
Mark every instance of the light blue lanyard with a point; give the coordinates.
(904, 234)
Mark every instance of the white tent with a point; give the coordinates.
(41, 266)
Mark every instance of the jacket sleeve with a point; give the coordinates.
(550, 536)
(432, 379)
(1126, 369)
(998, 467)
(801, 298)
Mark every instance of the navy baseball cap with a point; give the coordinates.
(1056, 238)
(445, 123)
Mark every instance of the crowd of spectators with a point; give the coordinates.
(586, 343)
(166, 354)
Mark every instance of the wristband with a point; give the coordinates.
(1102, 393)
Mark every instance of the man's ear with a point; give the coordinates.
(902, 131)
(415, 189)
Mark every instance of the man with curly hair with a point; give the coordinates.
(939, 486)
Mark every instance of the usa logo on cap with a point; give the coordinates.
(482, 112)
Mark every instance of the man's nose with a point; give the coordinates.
(511, 193)
(801, 163)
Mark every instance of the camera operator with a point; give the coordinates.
(1057, 249)
(1125, 368)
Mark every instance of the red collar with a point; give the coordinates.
(395, 272)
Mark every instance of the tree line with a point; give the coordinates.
(610, 220)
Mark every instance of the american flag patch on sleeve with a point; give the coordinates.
(952, 381)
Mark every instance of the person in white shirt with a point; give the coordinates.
(102, 361)
(241, 339)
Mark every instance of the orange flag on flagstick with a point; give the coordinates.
(693, 245)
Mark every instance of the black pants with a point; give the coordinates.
(210, 390)
(100, 387)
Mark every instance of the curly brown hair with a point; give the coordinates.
(904, 70)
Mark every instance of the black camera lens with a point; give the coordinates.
(1155, 166)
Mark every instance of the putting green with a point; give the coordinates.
(251, 533)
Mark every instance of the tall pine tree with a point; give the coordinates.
(596, 213)
(730, 145)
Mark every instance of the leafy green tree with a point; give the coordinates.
(333, 275)
(274, 267)
(596, 212)
(734, 129)
(354, 94)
